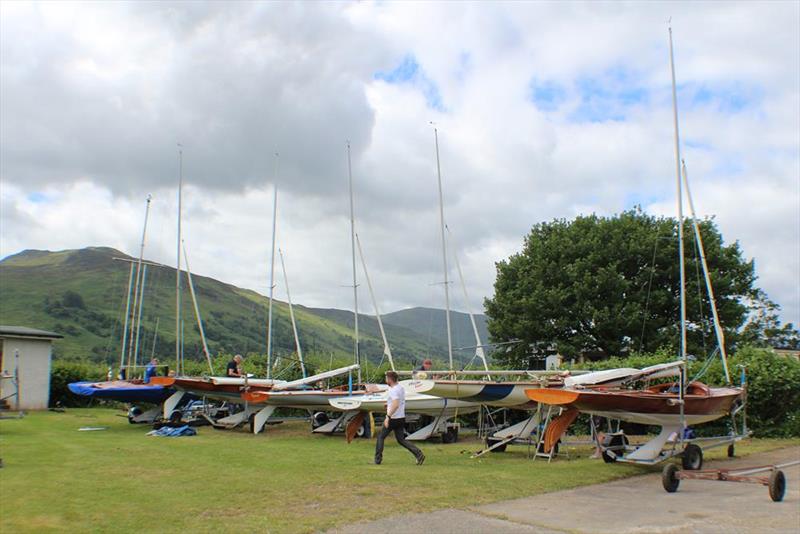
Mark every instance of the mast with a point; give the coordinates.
(386, 350)
(353, 257)
(125, 329)
(155, 337)
(291, 316)
(444, 252)
(178, 332)
(272, 269)
(478, 345)
(684, 369)
(136, 306)
(197, 311)
(717, 326)
(139, 317)
(679, 199)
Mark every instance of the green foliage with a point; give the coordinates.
(773, 384)
(88, 308)
(71, 299)
(610, 285)
(64, 372)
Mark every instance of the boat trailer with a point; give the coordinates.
(671, 477)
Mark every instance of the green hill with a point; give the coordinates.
(81, 294)
(431, 324)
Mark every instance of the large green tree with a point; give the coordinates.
(610, 285)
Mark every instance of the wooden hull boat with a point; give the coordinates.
(657, 405)
(211, 387)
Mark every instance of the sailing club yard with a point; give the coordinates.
(56, 478)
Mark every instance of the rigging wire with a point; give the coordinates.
(703, 322)
(117, 322)
(649, 288)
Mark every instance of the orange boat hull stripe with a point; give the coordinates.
(165, 381)
(552, 396)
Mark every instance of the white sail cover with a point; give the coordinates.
(315, 378)
(622, 374)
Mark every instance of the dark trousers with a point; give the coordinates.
(398, 427)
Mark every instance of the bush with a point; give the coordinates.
(773, 385)
(64, 372)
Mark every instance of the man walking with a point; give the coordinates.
(395, 420)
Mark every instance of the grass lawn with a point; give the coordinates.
(286, 480)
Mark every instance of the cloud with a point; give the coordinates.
(544, 110)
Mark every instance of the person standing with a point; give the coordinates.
(151, 370)
(395, 420)
(235, 366)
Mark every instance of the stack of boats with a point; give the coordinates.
(627, 394)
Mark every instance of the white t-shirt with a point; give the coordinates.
(397, 393)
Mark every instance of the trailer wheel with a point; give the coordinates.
(777, 485)
(669, 479)
(133, 413)
(450, 435)
(692, 457)
(319, 419)
(615, 443)
(175, 417)
(492, 441)
(363, 430)
(731, 451)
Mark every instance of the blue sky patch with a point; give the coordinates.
(409, 71)
(732, 97)
(608, 96)
(547, 95)
(605, 97)
(37, 197)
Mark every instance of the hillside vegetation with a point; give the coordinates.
(81, 294)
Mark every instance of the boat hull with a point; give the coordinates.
(499, 394)
(416, 403)
(122, 391)
(306, 399)
(645, 407)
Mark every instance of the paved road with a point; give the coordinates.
(631, 506)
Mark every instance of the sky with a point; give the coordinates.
(543, 110)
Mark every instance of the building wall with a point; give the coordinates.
(34, 371)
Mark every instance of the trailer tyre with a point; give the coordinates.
(319, 419)
(692, 457)
(133, 413)
(731, 451)
(669, 478)
(175, 417)
(777, 485)
(616, 443)
(450, 435)
(364, 431)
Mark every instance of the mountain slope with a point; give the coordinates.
(81, 294)
(430, 324)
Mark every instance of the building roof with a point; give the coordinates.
(24, 331)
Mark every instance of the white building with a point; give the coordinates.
(25, 353)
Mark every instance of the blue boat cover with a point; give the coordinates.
(122, 391)
(169, 432)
